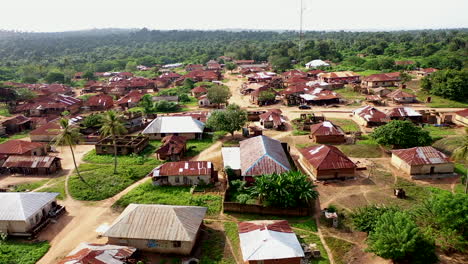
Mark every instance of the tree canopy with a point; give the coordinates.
(218, 94)
(401, 134)
(232, 119)
(452, 84)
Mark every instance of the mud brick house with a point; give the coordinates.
(268, 242)
(327, 162)
(170, 76)
(425, 72)
(319, 96)
(99, 254)
(133, 121)
(261, 76)
(21, 147)
(185, 126)
(244, 62)
(99, 102)
(94, 87)
(326, 132)
(258, 156)
(194, 67)
(131, 99)
(273, 119)
(381, 80)
(160, 83)
(50, 105)
(39, 165)
(126, 145)
(173, 148)
(380, 91)
(461, 118)
(200, 76)
(46, 133)
(256, 96)
(404, 113)
(24, 214)
(146, 226)
(343, 77)
(401, 97)
(369, 116)
(248, 88)
(422, 161)
(213, 65)
(184, 173)
(17, 124)
(293, 74)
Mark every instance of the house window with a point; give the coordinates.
(176, 179)
(176, 244)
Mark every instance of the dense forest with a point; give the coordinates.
(32, 56)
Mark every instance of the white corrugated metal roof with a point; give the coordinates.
(316, 63)
(174, 124)
(267, 244)
(231, 157)
(20, 206)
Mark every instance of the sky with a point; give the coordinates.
(66, 15)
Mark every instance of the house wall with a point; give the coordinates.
(404, 99)
(328, 138)
(186, 135)
(276, 261)
(375, 84)
(11, 227)
(421, 169)
(42, 138)
(159, 246)
(361, 121)
(187, 180)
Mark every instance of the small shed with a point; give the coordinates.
(422, 161)
(184, 173)
(327, 162)
(125, 145)
(32, 164)
(326, 132)
(173, 148)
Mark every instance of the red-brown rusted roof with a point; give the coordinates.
(50, 129)
(200, 89)
(341, 74)
(325, 157)
(273, 225)
(399, 93)
(463, 113)
(17, 120)
(325, 128)
(18, 147)
(184, 168)
(29, 161)
(371, 114)
(133, 96)
(172, 145)
(104, 100)
(383, 77)
(421, 156)
(87, 253)
(273, 115)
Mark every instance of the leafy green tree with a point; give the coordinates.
(365, 218)
(218, 94)
(444, 217)
(280, 64)
(165, 106)
(147, 103)
(266, 96)
(461, 154)
(401, 134)
(288, 190)
(232, 119)
(89, 75)
(405, 77)
(397, 237)
(112, 126)
(230, 66)
(451, 84)
(55, 77)
(29, 79)
(94, 120)
(24, 94)
(69, 135)
(131, 66)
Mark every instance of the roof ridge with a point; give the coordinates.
(174, 211)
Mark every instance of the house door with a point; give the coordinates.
(432, 170)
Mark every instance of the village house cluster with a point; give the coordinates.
(278, 104)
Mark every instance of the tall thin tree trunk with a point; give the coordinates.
(76, 167)
(115, 155)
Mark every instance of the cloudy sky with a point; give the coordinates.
(64, 15)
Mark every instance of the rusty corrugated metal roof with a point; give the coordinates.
(325, 128)
(29, 161)
(325, 157)
(184, 168)
(421, 156)
(18, 147)
(87, 253)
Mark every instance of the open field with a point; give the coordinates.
(22, 252)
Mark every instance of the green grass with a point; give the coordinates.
(212, 248)
(448, 144)
(299, 132)
(439, 102)
(309, 238)
(58, 187)
(348, 93)
(18, 252)
(193, 102)
(362, 149)
(4, 110)
(15, 136)
(309, 225)
(195, 146)
(339, 248)
(147, 193)
(29, 186)
(232, 233)
(461, 170)
(415, 193)
(101, 182)
(439, 132)
(347, 125)
(368, 72)
(141, 159)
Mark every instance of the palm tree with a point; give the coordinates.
(69, 136)
(112, 126)
(461, 154)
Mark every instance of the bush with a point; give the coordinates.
(13, 251)
(401, 134)
(365, 218)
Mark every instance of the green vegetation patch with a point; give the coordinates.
(347, 125)
(310, 238)
(362, 149)
(339, 248)
(15, 136)
(232, 233)
(58, 187)
(448, 144)
(23, 187)
(133, 159)
(101, 182)
(213, 248)
(4, 110)
(439, 132)
(349, 93)
(16, 251)
(195, 146)
(147, 193)
(439, 102)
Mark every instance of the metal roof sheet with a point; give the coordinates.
(231, 157)
(159, 222)
(87, 253)
(21, 205)
(174, 124)
(421, 156)
(325, 157)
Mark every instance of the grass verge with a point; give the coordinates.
(147, 193)
(309, 238)
(15, 136)
(195, 147)
(339, 248)
(347, 125)
(58, 187)
(24, 187)
(16, 251)
(232, 233)
(213, 248)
